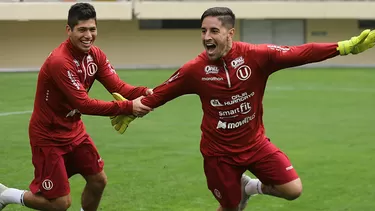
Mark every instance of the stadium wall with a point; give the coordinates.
(27, 44)
(27, 39)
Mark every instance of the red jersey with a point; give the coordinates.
(231, 91)
(62, 94)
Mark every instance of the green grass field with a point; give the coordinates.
(322, 118)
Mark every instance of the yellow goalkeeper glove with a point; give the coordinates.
(121, 122)
(355, 45)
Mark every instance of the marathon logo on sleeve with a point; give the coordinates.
(278, 48)
(74, 81)
(76, 62)
(110, 67)
(172, 78)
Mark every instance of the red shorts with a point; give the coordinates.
(224, 175)
(54, 166)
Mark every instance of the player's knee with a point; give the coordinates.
(61, 204)
(102, 181)
(291, 190)
(294, 191)
(98, 181)
(293, 195)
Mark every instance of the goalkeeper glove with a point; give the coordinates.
(355, 45)
(121, 122)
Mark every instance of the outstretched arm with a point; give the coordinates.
(280, 57)
(180, 83)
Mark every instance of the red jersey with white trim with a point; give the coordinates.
(62, 94)
(231, 91)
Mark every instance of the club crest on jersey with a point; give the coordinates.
(237, 62)
(243, 72)
(92, 68)
(210, 69)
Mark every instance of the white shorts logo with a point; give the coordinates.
(243, 72)
(217, 193)
(47, 184)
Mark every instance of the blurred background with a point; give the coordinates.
(166, 33)
(322, 117)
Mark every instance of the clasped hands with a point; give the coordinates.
(121, 122)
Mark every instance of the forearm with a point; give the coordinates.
(114, 84)
(322, 51)
(153, 102)
(131, 92)
(103, 108)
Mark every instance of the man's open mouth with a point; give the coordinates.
(210, 47)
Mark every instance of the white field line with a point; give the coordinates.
(14, 113)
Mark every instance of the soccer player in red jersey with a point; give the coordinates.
(230, 79)
(59, 142)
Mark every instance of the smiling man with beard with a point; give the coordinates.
(59, 142)
(233, 135)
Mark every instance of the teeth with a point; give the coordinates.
(86, 42)
(210, 45)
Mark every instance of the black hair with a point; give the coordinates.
(224, 14)
(79, 12)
